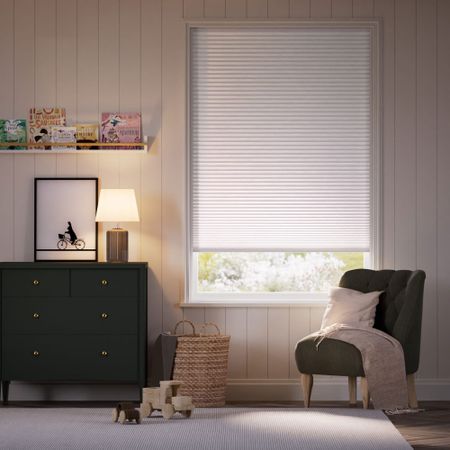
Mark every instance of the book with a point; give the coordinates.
(121, 127)
(14, 130)
(86, 133)
(63, 135)
(41, 121)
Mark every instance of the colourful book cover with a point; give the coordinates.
(121, 127)
(63, 135)
(14, 130)
(87, 133)
(41, 121)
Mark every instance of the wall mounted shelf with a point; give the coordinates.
(103, 147)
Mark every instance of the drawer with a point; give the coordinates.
(70, 358)
(22, 315)
(35, 283)
(104, 283)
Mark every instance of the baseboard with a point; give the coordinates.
(325, 388)
(21, 391)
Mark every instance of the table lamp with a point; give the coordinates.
(117, 205)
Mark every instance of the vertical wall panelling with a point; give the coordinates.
(386, 10)
(426, 172)
(235, 9)
(299, 327)
(257, 328)
(217, 316)
(130, 101)
(300, 8)
(236, 327)
(173, 143)
(109, 51)
(197, 317)
(405, 134)
(342, 9)
(7, 57)
(66, 57)
(278, 343)
(316, 318)
(320, 9)
(109, 55)
(363, 8)
(257, 9)
(24, 99)
(45, 32)
(214, 9)
(88, 81)
(150, 172)
(7, 111)
(278, 9)
(193, 9)
(443, 164)
(108, 171)
(88, 60)
(24, 57)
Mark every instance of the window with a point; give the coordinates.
(282, 158)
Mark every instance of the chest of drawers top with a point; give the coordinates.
(70, 279)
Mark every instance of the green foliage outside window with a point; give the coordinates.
(273, 271)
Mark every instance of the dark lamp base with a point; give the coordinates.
(117, 245)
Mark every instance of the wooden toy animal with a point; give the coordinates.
(125, 411)
(120, 406)
(130, 415)
(166, 399)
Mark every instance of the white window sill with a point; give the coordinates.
(253, 304)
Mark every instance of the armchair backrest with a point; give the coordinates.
(399, 312)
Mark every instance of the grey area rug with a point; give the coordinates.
(223, 428)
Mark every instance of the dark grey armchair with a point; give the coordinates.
(399, 313)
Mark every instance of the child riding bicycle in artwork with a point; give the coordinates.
(64, 241)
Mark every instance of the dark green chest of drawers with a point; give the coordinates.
(76, 322)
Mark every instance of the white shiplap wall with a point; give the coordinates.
(92, 56)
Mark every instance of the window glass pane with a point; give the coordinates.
(265, 272)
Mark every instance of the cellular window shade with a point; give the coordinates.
(280, 139)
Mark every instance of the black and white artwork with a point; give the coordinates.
(64, 213)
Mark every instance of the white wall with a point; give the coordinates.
(129, 55)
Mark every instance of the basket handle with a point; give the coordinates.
(212, 324)
(184, 321)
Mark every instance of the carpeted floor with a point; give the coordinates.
(222, 429)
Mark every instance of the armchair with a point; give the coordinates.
(399, 313)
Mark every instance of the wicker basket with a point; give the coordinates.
(201, 363)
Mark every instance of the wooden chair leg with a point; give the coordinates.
(307, 384)
(365, 392)
(352, 390)
(412, 397)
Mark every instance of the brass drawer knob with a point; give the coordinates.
(104, 354)
(36, 316)
(104, 282)
(35, 353)
(104, 315)
(36, 282)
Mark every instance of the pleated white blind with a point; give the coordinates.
(280, 138)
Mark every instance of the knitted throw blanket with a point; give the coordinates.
(383, 363)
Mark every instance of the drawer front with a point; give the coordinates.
(70, 315)
(35, 283)
(104, 283)
(70, 358)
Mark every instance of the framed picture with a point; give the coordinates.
(64, 219)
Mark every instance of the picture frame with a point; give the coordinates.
(64, 219)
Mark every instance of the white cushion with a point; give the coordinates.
(351, 307)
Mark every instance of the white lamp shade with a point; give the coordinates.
(117, 205)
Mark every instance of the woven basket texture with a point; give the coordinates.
(201, 363)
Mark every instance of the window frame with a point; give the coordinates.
(192, 296)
